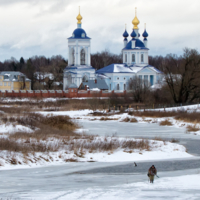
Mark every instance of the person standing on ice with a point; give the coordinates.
(151, 173)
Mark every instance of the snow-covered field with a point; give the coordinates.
(159, 150)
(173, 188)
(69, 184)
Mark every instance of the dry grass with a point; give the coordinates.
(174, 140)
(159, 139)
(165, 123)
(133, 120)
(15, 146)
(107, 118)
(154, 114)
(192, 128)
(127, 119)
(193, 117)
(109, 145)
(189, 117)
(37, 104)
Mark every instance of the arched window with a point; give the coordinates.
(85, 79)
(69, 79)
(83, 35)
(142, 57)
(133, 57)
(125, 57)
(73, 57)
(82, 57)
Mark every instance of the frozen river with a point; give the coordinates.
(109, 180)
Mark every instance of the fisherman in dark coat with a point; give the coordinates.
(151, 173)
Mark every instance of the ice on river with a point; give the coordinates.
(173, 188)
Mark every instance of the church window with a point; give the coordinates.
(124, 86)
(73, 35)
(69, 79)
(82, 57)
(142, 57)
(146, 80)
(124, 78)
(85, 79)
(117, 78)
(117, 86)
(110, 86)
(133, 57)
(73, 57)
(5, 84)
(125, 57)
(83, 35)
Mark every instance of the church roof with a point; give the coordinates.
(73, 85)
(136, 68)
(123, 68)
(79, 33)
(114, 68)
(100, 83)
(138, 45)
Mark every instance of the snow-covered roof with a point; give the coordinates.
(101, 76)
(12, 75)
(43, 75)
(115, 68)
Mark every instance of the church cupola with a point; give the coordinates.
(125, 35)
(79, 18)
(145, 35)
(133, 34)
(135, 23)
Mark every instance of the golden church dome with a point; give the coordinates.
(135, 21)
(79, 17)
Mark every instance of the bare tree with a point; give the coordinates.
(182, 75)
(139, 88)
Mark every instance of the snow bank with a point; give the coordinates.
(10, 128)
(159, 151)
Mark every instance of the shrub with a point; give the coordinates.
(127, 119)
(165, 123)
(133, 120)
(173, 140)
(192, 128)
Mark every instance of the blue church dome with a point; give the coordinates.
(125, 34)
(145, 34)
(133, 34)
(79, 33)
(138, 44)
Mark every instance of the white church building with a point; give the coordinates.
(116, 76)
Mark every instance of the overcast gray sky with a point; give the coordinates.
(41, 27)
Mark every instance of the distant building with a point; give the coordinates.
(11, 80)
(79, 68)
(116, 76)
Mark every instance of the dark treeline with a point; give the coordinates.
(105, 58)
(180, 82)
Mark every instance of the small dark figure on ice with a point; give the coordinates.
(151, 173)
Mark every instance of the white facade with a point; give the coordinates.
(116, 76)
(79, 67)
